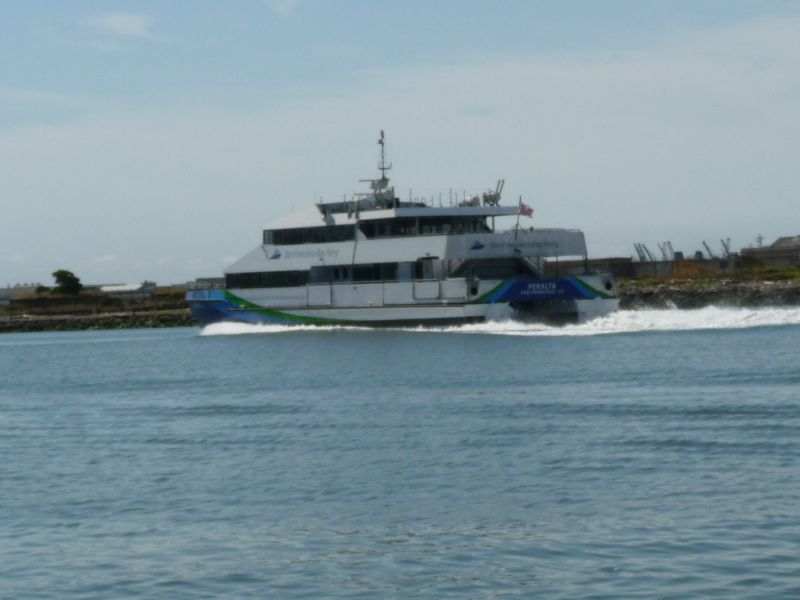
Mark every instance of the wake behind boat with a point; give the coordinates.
(377, 260)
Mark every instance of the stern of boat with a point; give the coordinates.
(571, 299)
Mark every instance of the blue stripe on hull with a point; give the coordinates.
(212, 306)
(543, 290)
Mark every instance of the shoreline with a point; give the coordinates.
(152, 319)
(634, 295)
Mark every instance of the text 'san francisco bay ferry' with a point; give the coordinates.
(377, 260)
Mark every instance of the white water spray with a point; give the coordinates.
(624, 321)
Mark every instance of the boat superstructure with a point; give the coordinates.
(377, 260)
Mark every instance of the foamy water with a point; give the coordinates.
(626, 321)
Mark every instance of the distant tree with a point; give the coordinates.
(67, 282)
(42, 289)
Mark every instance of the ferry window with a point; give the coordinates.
(375, 272)
(310, 235)
(285, 237)
(365, 273)
(315, 235)
(382, 228)
(438, 225)
(368, 229)
(405, 226)
(388, 271)
(266, 279)
(427, 226)
(423, 269)
(473, 225)
(342, 233)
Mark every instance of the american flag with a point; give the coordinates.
(526, 210)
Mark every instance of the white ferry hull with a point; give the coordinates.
(561, 300)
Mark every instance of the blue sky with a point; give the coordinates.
(152, 140)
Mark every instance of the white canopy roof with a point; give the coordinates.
(312, 217)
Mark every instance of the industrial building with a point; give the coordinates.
(130, 291)
(783, 252)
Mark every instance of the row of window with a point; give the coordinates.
(422, 269)
(423, 226)
(376, 272)
(359, 273)
(271, 279)
(309, 235)
(398, 227)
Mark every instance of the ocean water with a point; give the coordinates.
(649, 454)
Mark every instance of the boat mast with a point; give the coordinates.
(383, 167)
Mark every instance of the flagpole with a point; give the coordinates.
(519, 208)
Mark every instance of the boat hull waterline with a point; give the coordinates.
(556, 301)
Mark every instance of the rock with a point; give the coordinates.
(694, 294)
(165, 318)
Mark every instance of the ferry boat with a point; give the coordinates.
(378, 260)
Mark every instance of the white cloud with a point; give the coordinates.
(282, 7)
(691, 140)
(127, 25)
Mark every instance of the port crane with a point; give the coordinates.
(493, 198)
(644, 252)
(667, 251)
(711, 255)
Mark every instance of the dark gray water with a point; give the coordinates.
(486, 462)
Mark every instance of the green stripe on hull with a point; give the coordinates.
(482, 299)
(284, 316)
(593, 290)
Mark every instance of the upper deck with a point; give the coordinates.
(314, 217)
(443, 211)
(382, 204)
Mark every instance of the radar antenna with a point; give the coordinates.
(383, 166)
(382, 195)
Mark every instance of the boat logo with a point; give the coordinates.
(476, 245)
(276, 254)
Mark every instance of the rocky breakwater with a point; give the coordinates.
(112, 320)
(699, 293)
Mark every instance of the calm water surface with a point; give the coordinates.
(488, 462)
